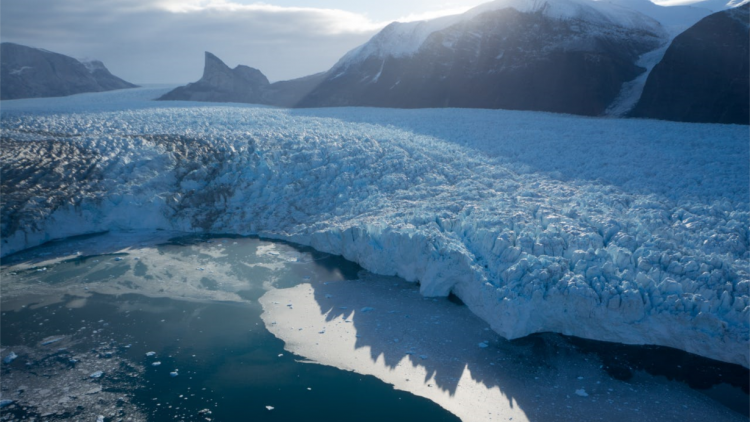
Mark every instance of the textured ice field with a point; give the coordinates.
(622, 230)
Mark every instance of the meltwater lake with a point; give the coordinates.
(169, 326)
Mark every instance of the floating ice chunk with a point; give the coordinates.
(40, 270)
(150, 353)
(483, 344)
(97, 374)
(173, 373)
(100, 418)
(50, 341)
(367, 309)
(118, 259)
(270, 407)
(4, 403)
(10, 358)
(581, 392)
(157, 363)
(580, 378)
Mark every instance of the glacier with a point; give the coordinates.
(630, 231)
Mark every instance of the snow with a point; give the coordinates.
(631, 91)
(92, 65)
(675, 18)
(20, 70)
(632, 231)
(404, 39)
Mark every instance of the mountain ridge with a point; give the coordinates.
(28, 72)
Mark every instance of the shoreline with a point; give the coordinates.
(441, 351)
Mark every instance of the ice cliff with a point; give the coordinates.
(621, 230)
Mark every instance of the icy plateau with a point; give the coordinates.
(631, 231)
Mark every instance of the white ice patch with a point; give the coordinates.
(20, 70)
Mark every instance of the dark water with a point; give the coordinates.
(227, 361)
(194, 302)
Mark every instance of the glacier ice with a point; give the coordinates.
(620, 230)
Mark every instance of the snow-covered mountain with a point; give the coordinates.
(567, 56)
(28, 72)
(705, 74)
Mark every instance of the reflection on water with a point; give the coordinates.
(101, 303)
(192, 301)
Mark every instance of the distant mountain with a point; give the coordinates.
(569, 56)
(242, 84)
(705, 74)
(27, 72)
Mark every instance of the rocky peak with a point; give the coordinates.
(220, 83)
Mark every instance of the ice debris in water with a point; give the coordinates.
(367, 309)
(156, 363)
(10, 358)
(483, 344)
(150, 353)
(5, 402)
(581, 392)
(97, 374)
(100, 418)
(270, 407)
(174, 373)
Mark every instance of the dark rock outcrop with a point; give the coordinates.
(219, 83)
(704, 75)
(28, 72)
(242, 84)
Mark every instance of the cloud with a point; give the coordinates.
(433, 14)
(163, 41)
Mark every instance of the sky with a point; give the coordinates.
(163, 41)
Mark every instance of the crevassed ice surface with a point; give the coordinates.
(622, 230)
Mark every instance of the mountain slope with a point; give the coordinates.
(219, 83)
(28, 72)
(705, 73)
(568, 56)
(242, 84)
